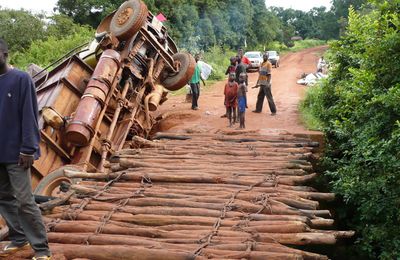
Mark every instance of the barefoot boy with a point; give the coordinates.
(231, 94)
(242, 99)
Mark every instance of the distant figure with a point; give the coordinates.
(242, 100)
(195, 83)
(240, 69)
(264, 82)
(231, 94)
(232, 67)
(19, 139)
(321, 64)
(245, 61)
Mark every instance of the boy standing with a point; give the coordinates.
(242, 99)
(231, 94)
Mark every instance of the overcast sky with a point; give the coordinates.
(304, 5)
(48, 5)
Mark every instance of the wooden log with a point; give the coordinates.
(156, 192)
(106, 252)
(303, 192)
(191, 178)
(101, 239)
(288, 238)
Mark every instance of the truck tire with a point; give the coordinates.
(50, 182)
(186, 69)
(128, 19)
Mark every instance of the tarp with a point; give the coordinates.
(311, 78)
(206, 69)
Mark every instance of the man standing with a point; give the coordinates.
(245, 61)
(195, 83)
(19, 140)
(264, 82)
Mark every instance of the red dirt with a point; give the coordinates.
(287, 95)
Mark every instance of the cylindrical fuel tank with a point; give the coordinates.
(156, 96)
(81, 129)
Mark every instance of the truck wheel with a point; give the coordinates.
(186, 64)
(49, 184)
(128, 19)
(277, 64)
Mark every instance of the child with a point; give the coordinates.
(232, 67)
(242, 99)
(231, 94)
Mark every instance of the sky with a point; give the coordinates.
(33, 5)
(48, 5)
(304, 5)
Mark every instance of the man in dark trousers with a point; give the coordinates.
(195, 83)
(264, 82)
(19, 141)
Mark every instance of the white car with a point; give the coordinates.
(256, 59)
(273, 57)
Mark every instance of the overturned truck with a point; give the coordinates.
(96, 99)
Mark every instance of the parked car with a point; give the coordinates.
(273, 57)
(255, 58)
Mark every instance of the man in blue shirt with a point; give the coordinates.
(19, 141)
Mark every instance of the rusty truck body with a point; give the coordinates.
(96, 99)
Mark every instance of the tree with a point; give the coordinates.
(19, 28)
(359, 109)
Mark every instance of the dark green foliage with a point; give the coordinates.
(196, 25)
(359, 109)
(20, 28)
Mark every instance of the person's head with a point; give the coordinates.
(242, 77)
(238, 59)
(240, 52)
(232, 77)
(233, 60)
(265, 56)
(322, 57)
(3, 54)
(197, 57)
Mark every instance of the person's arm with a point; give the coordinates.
(269, 76)
(204, 83)
(245, 96)
(30, 126)
(227, 70)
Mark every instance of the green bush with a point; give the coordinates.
(358, 107)
(219, 60)
(310, 106)
(307, 43)
(44, 52)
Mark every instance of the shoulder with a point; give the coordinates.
(19, 74)
(23, 78)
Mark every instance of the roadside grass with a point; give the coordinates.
(207, 87)
(305, 44)
(308, 108)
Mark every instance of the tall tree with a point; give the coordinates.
(19, 28)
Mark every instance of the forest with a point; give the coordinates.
(196, 26)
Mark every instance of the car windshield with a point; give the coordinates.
(252, 55)
(272, 54)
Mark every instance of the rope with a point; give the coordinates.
(145, 182)
(73, 212)
(264, 201)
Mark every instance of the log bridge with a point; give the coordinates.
(197, 196)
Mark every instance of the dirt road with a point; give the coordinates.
(286, 92)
